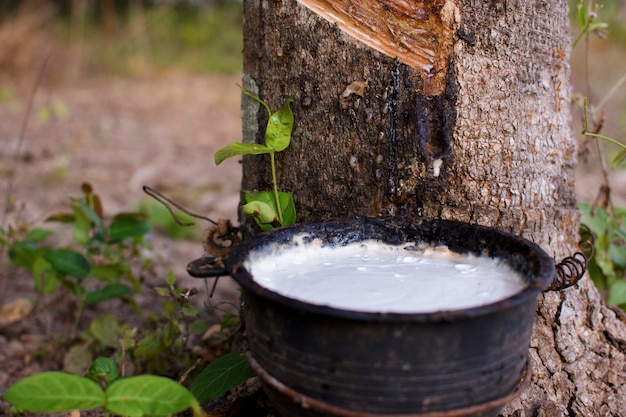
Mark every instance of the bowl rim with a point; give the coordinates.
(543, 264)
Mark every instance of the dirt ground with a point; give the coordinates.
(118, 134)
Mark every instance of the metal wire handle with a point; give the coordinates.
(571, 269)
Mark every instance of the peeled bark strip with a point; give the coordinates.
(488, 143)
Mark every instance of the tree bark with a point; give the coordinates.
(469, 120)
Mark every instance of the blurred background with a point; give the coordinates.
(122, 37)
(130, 93)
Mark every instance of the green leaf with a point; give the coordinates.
(170, 278)
(136, 215)
(62, 218)
(108, 292)
(147, 395)
(267, 198)
(106, 330)
(617, 254)
(582, 15)
(163, 292)
(221, 375)
(77, 358)
(24, 254)
(103, 369)
(258, 100)
(149, 346)
(237, 148)
(602, 259)
(45, 276)
(68, 262)
(125, 227)
(111, 272)
(596, 275)
(596, 221)
(57, 392)
(82, 224)
(261, 211)
(37, 235)
(198, 326)
(229, 321)
(170, 332)
(617, 293)
(288, 207)
(279, 128)
(189, 310)
(618, 158)
(597, 25)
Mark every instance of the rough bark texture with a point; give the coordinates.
(491, 147)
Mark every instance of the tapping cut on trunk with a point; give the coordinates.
(418, 33)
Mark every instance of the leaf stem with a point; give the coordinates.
(586, 132)
(79, 314)
(278, 209)
(196, 409)
(606, 138)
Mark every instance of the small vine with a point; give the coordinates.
(268, 208)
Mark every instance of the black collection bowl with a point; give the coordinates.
(316, 360)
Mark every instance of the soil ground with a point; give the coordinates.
(118, 134)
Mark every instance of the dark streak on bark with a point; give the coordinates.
(393, 108)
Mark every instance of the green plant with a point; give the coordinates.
(607, 268)
(159, 217)
(586, 132)
(101, 252)
(105, 262)
(221, 375)
(135, 396)
(586, 18)
(269, 209)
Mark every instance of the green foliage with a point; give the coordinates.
(221, 375)
(586, 21)
(97, 267)
(620, 155)
(104, 262)
(262, 206)
(608, 11)
(103, 370)
(166, 345)
(137, 396)
(148, 395)
(607, 268)
(161, 219)
(268, 209)
(164, 37)
(277, 134)
(50, 392)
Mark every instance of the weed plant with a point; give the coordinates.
(105, 262)
(605, 220)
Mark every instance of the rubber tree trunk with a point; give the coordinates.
(440, 109)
